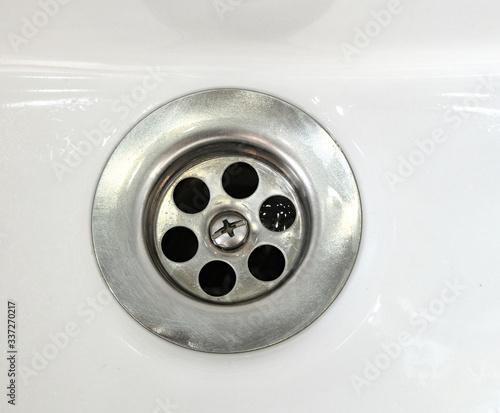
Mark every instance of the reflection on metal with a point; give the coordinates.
(229, 231)
(195, 144)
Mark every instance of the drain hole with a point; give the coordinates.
(240, 180)
(191, 195)
(277, 213)
(266, 263)
(179, 244)
(217, 278)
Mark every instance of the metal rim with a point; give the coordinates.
(226, 122)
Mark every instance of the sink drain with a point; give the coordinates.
(226, 221)
(212, 210)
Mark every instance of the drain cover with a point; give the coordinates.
(211, 211)
(226, 221)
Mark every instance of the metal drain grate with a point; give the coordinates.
(235, 210)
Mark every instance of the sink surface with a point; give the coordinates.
(411, 93)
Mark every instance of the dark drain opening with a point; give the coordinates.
(191, 195)
(179, 244)
(240, 180)
(277, 213)
(266, 263)
(217, 278)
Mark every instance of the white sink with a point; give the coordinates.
(411, 93)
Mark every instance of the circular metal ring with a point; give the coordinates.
(227, 125)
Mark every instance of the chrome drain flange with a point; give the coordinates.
(226, 221)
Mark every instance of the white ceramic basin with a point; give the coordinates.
(411, 92)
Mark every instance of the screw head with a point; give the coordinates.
(229, 231)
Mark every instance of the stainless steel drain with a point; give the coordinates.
(211, 211)
(226, 221)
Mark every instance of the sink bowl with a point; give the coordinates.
(410, 92)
